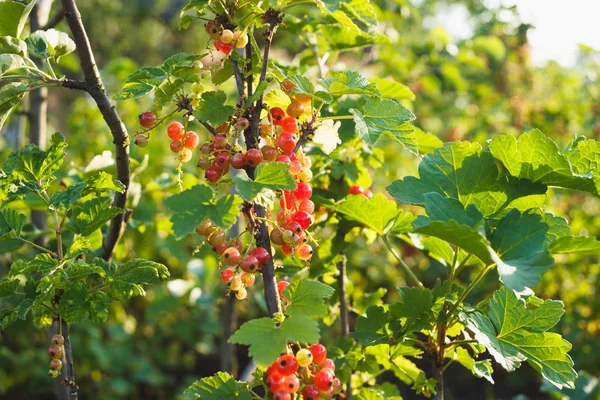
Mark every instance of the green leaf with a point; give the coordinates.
(77, 305)
(306, 298)
(513, 333)
(377, 213)
(480, 369)
(414, 309)
(197, 5)
(141, 82)
(12, 45)
(8, 287)
(79, 270)
(42, 262)
(350, 82)
(11, 223)
(535, 157)
(101, 183)
(31, 165)
(212, 108)
(390, 89)
(80, 245)
(272, 176)
(353, 14)
(11, 95)
(65, 198)
(132, 91)
(50, 44)
(13, 16)
(521, 243)
(128, 279)
(450, 221)
(194, 205)
(575, 245)
(372, 328)
(219, 386)
(462, 171)
(267, 340)
(344, 38)
(9, 62)
(260, 89)
(92, 215)
(385, 116)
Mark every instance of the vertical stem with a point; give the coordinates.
(438, 367)
(344, 310)
(268, 269)
(69, 371)
(227, 362)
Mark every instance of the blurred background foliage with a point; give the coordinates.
(153, 347)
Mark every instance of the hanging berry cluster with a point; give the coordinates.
(225, 39)
(56, 353)
(308, 372)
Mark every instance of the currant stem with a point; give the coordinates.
(41, 248)
(405, 267)
(469, 288)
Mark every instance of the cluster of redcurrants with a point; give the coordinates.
(241, 268)
(356, 189)
(316, 374)
(55, 352)
(225, 39)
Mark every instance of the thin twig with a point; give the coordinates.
(208, 127)
(405, 267)
(239, 78)
(95, 88)
(55, 20)
(344, 310)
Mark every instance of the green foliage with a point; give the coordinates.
(212, 108)
(514, 333)
(194, 205)
(49, 44)
(271, 176)
(219, 386)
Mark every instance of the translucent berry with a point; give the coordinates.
(240, 39)
(239, 160)
(58, 340)
(254, 157)
(243, 123)
(324, 380)
(191, 140)
(217, 237)
(176, 146)
(281, 285)
(185, 155)
(55, 351)
(276, 115)
(319, 352)
(56, 364)
(205, 228)
(248, 279)
(304, 252)
(303, 218)
(227, 275)
(309, 392)
(232, 256)
(286, 142)
(141, 140)
(261, 254)
(304, 357)
(306, 205)
(241, 293)
(147, 119)
(249, 264)
(275, 382)
(303, 191)
(213, 173)
(295, 109)
(222, 160)
(289, 125)
(291, 384)
(236, 283)
(226, 36)
(175, 130)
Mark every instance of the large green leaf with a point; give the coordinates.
(349, 82)
(10, 62)
(12, 45)
(521, 242)
(377, 213)
(212, 108)
(391, 89)
(13, 17)
(11, 223)
(272, 176)
(128, 280)
(414, 309)
(194, 205)
(536, 157)
(461, 170)
(92, 215)
(450, 221)
(219, 386)
(50, 44)
(306, 298)
(385, 116)
(372, 328)
(514, 333)
(267, 338)
(77, 305)
(11, 95)
(575, 245)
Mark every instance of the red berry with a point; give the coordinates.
(176, 146)
(58, 339)
(243, 123)
(269, 153)
(276, 237)
(303, 191)
(304, 252)
(222, 160)
(248, 279)
(310, 393)
(319, 353)
(205, 148)
(324, 380)
(275, 382)
(276, 115)
(284, 159)
(288, 86)
(239, 160)
(55, 351)
(249, 264)
(227, 275)
(261, 254)
(303, 218)
(223, 47)
(295, 167)
(295, 109)
(287, 201)
(272, 368)
(291, 384)
(289, 125)
(287, 365)
(220, 248)
(213, 173)
(147, 119)
(175, 130)
(219, 141)
(356, 189)
(217, 237)
(287, 249)
(307, 205)
(336, 386)
(232, 256)
(204, 163)
(56, 364)
(286, 142)
(254, 157)
(281, 285)
(282, 395)
(327, 363)
(212, 28)
(282, 217)
(191, 140)
(293, 226)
